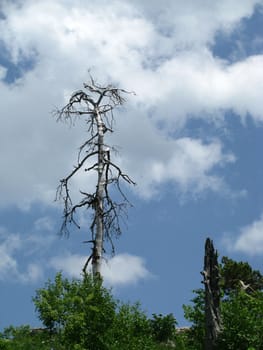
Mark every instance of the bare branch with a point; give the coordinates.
(120, 173)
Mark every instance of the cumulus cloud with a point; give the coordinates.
(183, 18)
(249, 239)
(2, 72)
(122, 269)
(8, 264)
(44, 223)
(22, 253)
(148, 49)
(70, 264)
(10, 245)
(185, 162)
(33, 273)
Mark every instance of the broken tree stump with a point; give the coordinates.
(212, 296)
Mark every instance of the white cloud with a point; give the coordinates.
(70, 264)
(156, 52)
(122, 269)
(249, 240)
(26, 257)
(185, 162)
(9, 245)
(3, 71)
(183, 18)
(44, 223)
(8, 264)
(18, 252)
(248, 76)
(33, 273)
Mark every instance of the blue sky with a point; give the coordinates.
(190, 138)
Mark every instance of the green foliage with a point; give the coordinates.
(232, 272)
(4, 344)
(243, 321)
(21, 338)
(163, 327)
(131, 329)
(79, 312)
(82, 314)
(195, 313)
(241, 310)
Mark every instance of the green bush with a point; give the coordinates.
(243, 321)
(82, 314)
(79, 312)
(21, 338)
(242, 315)
(163, 327)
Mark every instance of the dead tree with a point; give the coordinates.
(212, 296)
(94, 105)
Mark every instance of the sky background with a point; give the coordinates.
(191, 139)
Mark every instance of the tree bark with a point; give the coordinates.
(98, 245)
(212, 296)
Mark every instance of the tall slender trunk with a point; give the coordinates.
(98, 245)
(212, 296)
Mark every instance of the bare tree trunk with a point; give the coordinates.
(212, 296)
(95, 104)
(98, 245)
